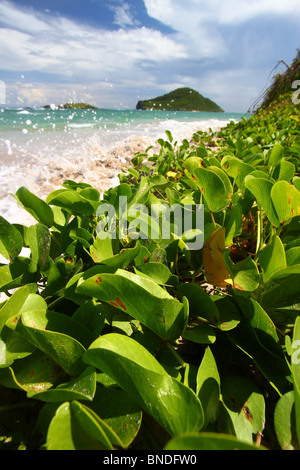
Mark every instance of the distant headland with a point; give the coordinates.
(70, 106)
(182, 99)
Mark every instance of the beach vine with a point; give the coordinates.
(125, 343)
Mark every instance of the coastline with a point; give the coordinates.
(42, 161)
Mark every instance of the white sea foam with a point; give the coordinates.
(42, 160)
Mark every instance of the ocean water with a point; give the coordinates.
(41, 148)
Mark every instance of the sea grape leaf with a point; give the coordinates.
(285, 421)
(15, 274)
(167, 400)
(116, 408)
(14, 304)
(245, 406)
(276, 154)
(272, 258)
(286, 201)
(11, 240)
(208, 386)
(159, 272)
(39, 242)
(34, 374)
(293, 256)
(80, 388)
(191, 163)
(273, 367)
(64, 349)
(200, 303)
(296, 372)
(282, 289)
(236, 168)
(213, 189)
(215, 268)
(234, 225)
(102, 252)
(77, 427)
(71, 201)
(261, 189)
(284, 171)
(38, 208)
(245, 274)
(139, 297)
(208, 441)
(201, 334)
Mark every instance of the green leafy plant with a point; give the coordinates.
(143, 343)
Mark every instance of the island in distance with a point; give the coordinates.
(182, 99)
(70, 106)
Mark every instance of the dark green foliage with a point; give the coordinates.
(182, 99)
(144, 343)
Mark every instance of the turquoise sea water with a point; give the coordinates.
(40, 148)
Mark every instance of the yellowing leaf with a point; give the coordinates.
(171, 174)
(215, 268)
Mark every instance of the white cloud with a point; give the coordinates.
(215, 47)
(58, 45)
(184, 15)
(123, 15)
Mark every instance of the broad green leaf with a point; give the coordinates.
(234, 225)
(245, 406)
(119, 412)
(245, 274)
(236, 169)
(159, 272)
(262, 324)
(39, 209)
(283, 289)
(14, 304)
(76, 427)
(33, 374)
(284, 171)
(200, 303)
(201, 334)
(296, 372)
(140, 298)
(191, 163)
(39, 242)
(16, 274)
(276, 154)
(273, 367)
(167, 400)
(208, 441)
(80, 388)
(285, 421)
(296, 182)
(71, 201)
(64, 349)
(229, 314)
(208, 386)
(11, 240)
(272, 258)
(102, 252)
(213, 189)
(261, 189)
(293, 256)
(82, 235)
(286, 201)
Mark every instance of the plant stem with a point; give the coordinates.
(175, 354)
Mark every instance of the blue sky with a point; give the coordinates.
(112, 53)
